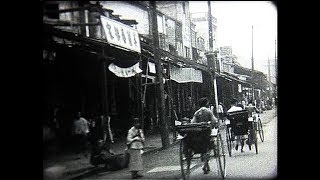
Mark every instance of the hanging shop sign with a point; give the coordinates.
(185, 75)
(239, 88)
(152, 67)
(125, 72)
(120, 34)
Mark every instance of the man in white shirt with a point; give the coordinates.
(234, 108)
(80, 131)
(221, 111)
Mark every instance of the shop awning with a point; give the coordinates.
(185, 75)
(231, 78)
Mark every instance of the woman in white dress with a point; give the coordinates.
(135, 140)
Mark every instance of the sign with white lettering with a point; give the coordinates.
(239, 88)
(120, 34)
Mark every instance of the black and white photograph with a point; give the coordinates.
(159, 90)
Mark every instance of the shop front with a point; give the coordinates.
(92, 76)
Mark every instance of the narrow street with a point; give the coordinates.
(109, 68)
(165, 164)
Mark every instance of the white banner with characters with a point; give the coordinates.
(120, 34)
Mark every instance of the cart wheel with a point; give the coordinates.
(255, 141)
(220, 157)
(184, 161)
(229, 141)
(260, 130)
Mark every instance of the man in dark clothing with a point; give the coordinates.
(110, 160)
(100, 129)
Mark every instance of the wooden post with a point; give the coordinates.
(142, 95)
(212, 59)
(178, 93)
(92, 17)
(169, 95)
(171, 103)
(164, 130)
(82, 20)
(252, 64)
(145, 86)
(105, 104)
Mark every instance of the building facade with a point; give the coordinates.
(98, 58)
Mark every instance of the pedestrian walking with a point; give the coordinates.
(81, 131)
(135, 142)
(107, 132)
(221, 111)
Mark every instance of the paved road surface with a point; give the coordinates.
(247, 165)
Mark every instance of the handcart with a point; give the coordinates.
(200, 141)
(240, 128)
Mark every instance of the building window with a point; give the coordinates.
(179, 48)
(194, 54)
(162, 42)
(178, 32)
(50, 8)
(172, 49)
(187, 52)
(184, 7)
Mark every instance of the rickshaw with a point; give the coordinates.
(240, 128)
(200, 141)
(258, 125)
(255, 117)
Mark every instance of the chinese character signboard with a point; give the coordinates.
(120, 34)
(185, 75)
(226, 51)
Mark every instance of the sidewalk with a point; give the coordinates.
(66, 166)
(268, 115)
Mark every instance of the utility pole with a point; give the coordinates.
(252, 63)
(164, 130)
(269, 75)
(212, 60)
(275, 58)
(276, 68)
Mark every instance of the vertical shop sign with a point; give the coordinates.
(239, 88)
(120, 34)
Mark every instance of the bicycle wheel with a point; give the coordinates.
(220, 156)
(260, 129)
(185, 161)
(229, 141)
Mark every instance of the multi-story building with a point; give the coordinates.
(183, 47)
(227, 59)
(88, 61)
(179, 11)
(94, 68)
(200, 19)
